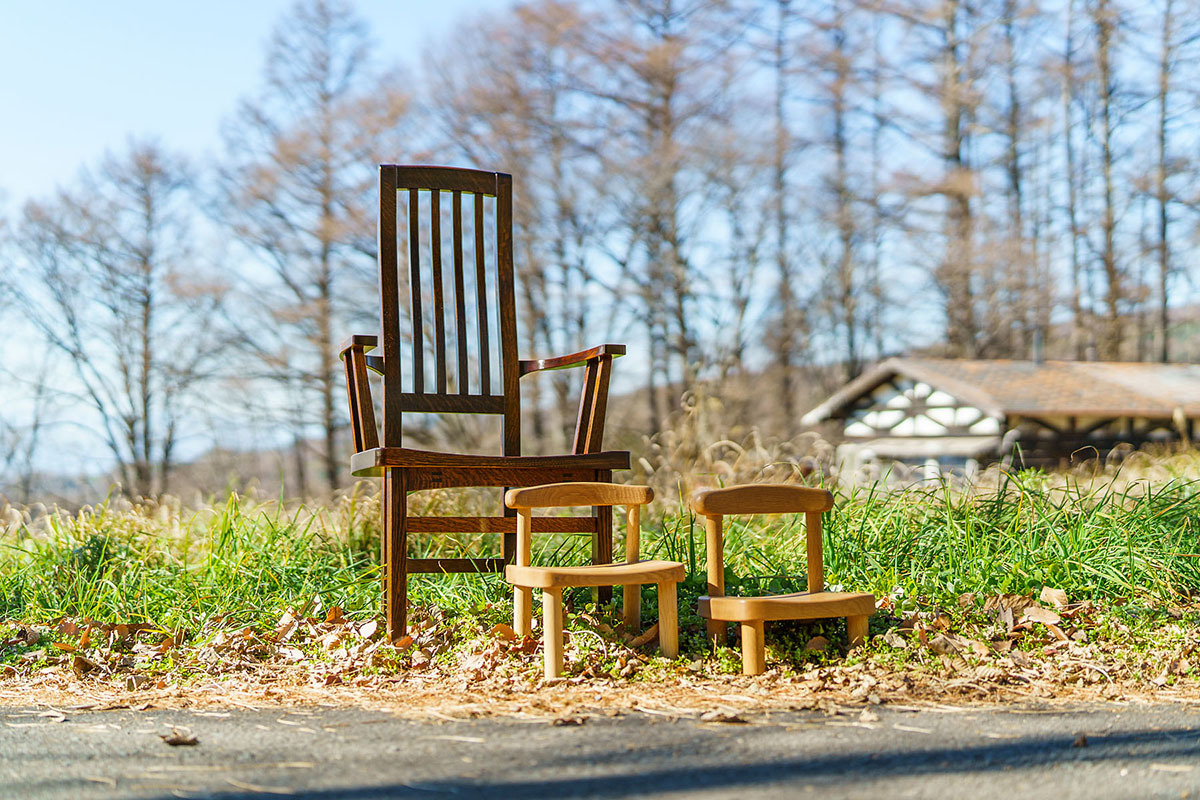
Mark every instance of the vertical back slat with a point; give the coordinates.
(414, 277)
(460, 302)
(507, 309)
(389, 293)
(439, 305)
(481, 293)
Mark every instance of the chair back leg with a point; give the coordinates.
(668, 619)
(523, 596)
(631, 610)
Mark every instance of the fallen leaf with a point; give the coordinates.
(943, 645)
(1037, 613)
(727, 717)
(572, 720)
(894, 639)
(1055, 597)
(334, 615)
(1013, 602)
(1056, 631)
(177, 738)
(135, 682)
(502, 631)
(650, 635)
(368, 629)
(287, 625)
(82, 666)
(868, 715)
(1080, 741)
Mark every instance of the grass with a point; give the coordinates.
(178, 569)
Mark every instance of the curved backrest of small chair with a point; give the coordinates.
(768, 498)
(771, 498)
(566, 494)
(557, 495)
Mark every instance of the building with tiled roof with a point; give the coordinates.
(960, 413)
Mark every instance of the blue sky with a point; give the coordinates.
(78, 78)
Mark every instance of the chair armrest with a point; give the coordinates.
(573, 360)
(358, 391)
(363, 342)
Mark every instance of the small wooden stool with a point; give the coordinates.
(752, 612)
(552, 580)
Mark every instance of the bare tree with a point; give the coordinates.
(505, 100)
(112, 284)
(297, 188)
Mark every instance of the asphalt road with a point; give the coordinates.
(1130, 752)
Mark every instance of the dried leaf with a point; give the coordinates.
(335, 615)
(894, 639)
(1015, 602)
(1055, 597)
(135, 682)
(502, 631)
(177, 738)
(1057, 632)
(727, 717)
(649, 636)
(368, 629)
(286, 625)
(817, 643)
(82, 666)
(1037, 613)
(943, 645)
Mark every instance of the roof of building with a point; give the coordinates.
(1073, 388)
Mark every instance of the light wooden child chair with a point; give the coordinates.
(552, 580)
(753, 612)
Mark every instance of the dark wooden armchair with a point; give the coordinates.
(467, 300)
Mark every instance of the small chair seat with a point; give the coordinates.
(595, 575)
(801, 605)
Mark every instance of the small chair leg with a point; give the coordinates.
(522, 610)
(631, 610)
(668, 620)
(552, 632)
(856, 626)
(754, 648)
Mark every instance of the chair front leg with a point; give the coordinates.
(668, 619)
(754, 648)
(552, 633)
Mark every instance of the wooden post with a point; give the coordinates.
(602, 543)
(668, 619)
(856, 626)
(552, 633)
(632, 593)
(714, 544)
(395, 552)
(754, 648)
(523, 595)
(816, 562)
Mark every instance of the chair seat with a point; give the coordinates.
(597, 575)
(802, 605)
(373, 462)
